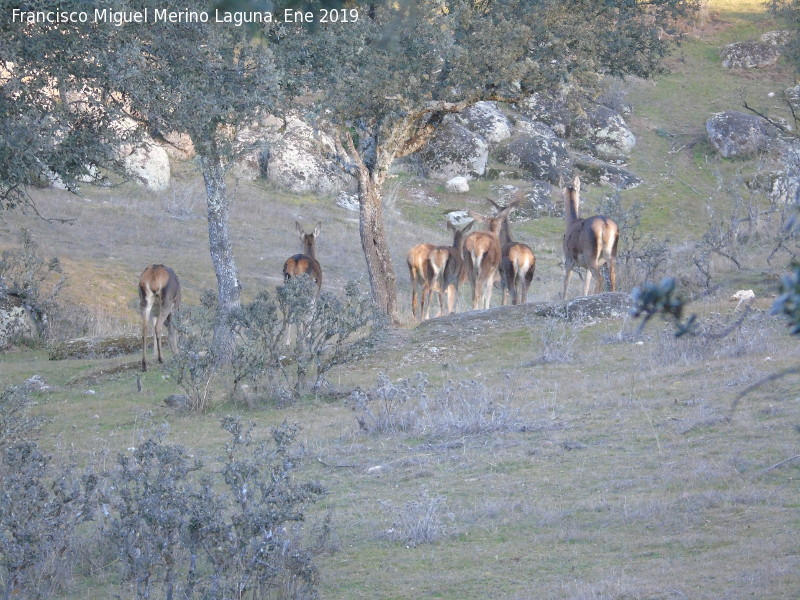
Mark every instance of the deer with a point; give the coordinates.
(444, 271)
(482, 254)
(588, 243)
(416, 260)
(305, 262)
(158, 281)
(517, 263)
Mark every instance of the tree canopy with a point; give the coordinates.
(387, 79)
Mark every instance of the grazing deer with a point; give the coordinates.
(416, 259)
(444, 271)
(482, 255)
(588, 243)
(306, 262)
(517, 263)
(158, 281)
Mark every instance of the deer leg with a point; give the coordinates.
(172, 334)
(157, 333)
(612, 274)
(587, 282)
(567, 277)
(146, 306)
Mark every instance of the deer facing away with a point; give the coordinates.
(517, 263)
(588, 243)
(444, 271)
(305, 262)
(158, 281)
(482, 255)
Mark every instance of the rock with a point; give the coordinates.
(550, 111)
(178, 146)
(793, 97)
(602, 173)
(538, 201)
(776, 38)
(605, 133)
(597, 306)
(486, 120)
(148, 165)
(458, 218)
(785, 189)
(454, 151)
(348, 201)
(458, 185)
(96, 347)
(738, 135)
(301, 161)
(544, 157)
(750, 55)
(743, 296)
(17, 319)
(179, 402)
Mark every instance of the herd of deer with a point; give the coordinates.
(483, 255)
(479, 256)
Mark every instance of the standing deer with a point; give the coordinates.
(482, 255)
(306, 262)
(588, 243)
(517, 263)
(158, 281)
(443, 271)
(416, 260)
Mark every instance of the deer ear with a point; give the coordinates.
(299, 228)
(577, 183)
(317, 229)
(468, 226)
(476, 216)
(561, 181)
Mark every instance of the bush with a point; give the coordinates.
(41, 508)
(224, 534)
(420, 521)
(458, 408)
(35, 281)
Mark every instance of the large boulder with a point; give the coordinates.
(453, 151)
(738, 135)
(750, 55)
(301, 160)
(548, 110)
(604, 133)
(148, 165)
(603, 173)
(488, 121)
(178, 146)
(544, 156)
(17, 319)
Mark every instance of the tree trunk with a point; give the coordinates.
(382, 280)
(228, 288)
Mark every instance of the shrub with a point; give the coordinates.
(41, 508)
(35, 281)
(420, 521)
(224, 534)
(465, 407)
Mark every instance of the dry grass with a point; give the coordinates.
(636, 474)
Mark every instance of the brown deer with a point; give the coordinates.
(517, 263)
(416, 259)
(444, 270)
(306, 262)
(588, 243)
(158, 281)
(482, 255)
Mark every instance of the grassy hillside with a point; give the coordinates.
(549, 459)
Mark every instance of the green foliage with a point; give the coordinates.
(53, 104)
(788, 303)
(651, 299)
